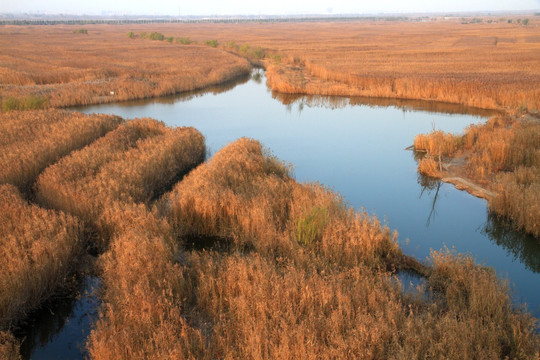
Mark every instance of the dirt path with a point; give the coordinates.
(453, 173)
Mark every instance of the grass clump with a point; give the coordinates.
(39, 249)
(30, 102)
(268, 295)
(131, 164)
(310, 227)
(80, 31)
(131, 35)
(32, 140)
(183, 40)
(152, 36)
(212, 43)
(503, 155)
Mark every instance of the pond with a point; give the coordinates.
(357, 147)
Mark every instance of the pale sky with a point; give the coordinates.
(259, 7)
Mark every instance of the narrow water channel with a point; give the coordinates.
(357, 147)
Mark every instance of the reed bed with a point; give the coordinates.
(131, 164)
(46, 63)
(142, 312)
(38, 248)
(32, 140)
(9, 346)
(311, 279)
(504, 155)
(249, 198)
(488, 65)
(110, 185)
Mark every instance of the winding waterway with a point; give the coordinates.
(357, 147)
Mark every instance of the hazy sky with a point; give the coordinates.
(255, 7)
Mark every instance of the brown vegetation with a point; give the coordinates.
(32, 140)
(262, 292)
(131, 164)
(38, 249)
(9, 347)
(66, 69)
(271, 268)
(503, 155)
(488, 65)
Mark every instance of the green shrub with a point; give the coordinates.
(212, 43)
(80, 31)
(257, 53)
(169, 39)
(30, 102)
(156, 36)
(311, 226)
(233, 45)
(131, 35)
(183, 40)
(525, 22)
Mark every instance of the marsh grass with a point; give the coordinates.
(337, 297)
(45, 64)
(27, 103)
(39, 249)
(131, 164)
(503, 154)
(9, 346)
(32, 140)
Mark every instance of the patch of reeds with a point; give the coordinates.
(113, 69)
(275, 294)
(143, 293)
(9, 346)
(38, 248)
(132, 164)
(248, 197)
(32, 140)
(504, 155)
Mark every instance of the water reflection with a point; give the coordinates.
(60, 328)
(519, 245)
(522, 247)
(430, 186)
(337, 102)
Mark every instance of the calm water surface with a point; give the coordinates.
(356, 147)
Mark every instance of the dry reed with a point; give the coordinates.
(247, 197)
(32, 140)
(306, 278)
(504, 155)
(142, 312)
(46, 62)
(9, 347)
(38, 248)
(133, 163)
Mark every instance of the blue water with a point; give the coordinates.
(357, 147)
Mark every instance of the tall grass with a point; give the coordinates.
(133, 163)
(28, 103)
(39, 249)
(504, 155)
(31, 141)
(248, 197)
(276, 294)
(9, 346)
(44, 64)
